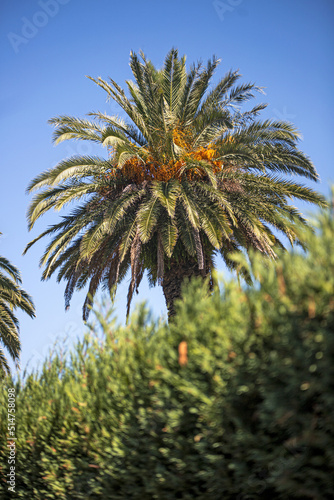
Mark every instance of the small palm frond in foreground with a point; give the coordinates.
(12, 297)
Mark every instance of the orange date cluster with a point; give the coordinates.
(138, 170)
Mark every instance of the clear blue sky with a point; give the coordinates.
(47, 48)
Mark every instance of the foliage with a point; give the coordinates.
(233, 400)
(12, 298)
(189, 176)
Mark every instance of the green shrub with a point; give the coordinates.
(233, 400)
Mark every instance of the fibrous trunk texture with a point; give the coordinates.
(174, 275)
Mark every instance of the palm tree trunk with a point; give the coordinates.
(174, 275)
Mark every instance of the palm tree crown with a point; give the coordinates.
(12, 297)
(188, 176)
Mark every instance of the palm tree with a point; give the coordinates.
(189, 176)
(12, 297)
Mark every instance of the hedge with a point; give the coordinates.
(233, 400)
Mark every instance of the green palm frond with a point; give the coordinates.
(167, 193)
(169, 236)
(147, 218)
(12, 298)
(174, 80)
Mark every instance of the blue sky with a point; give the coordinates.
(47, 48)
